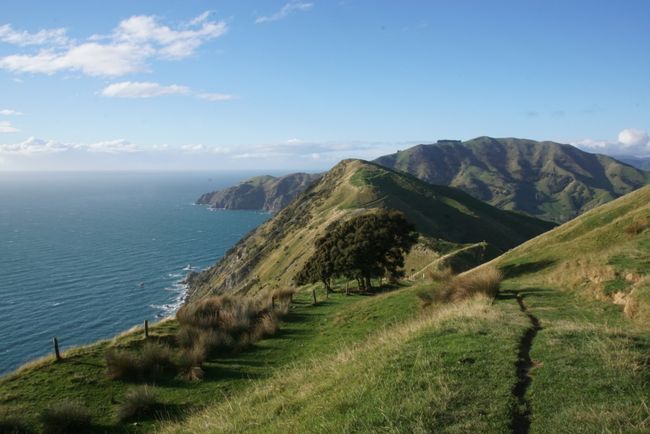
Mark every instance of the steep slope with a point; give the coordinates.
(270, 256)
(266, 193)
(604, 253)
(544, 179)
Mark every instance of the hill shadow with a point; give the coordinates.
(516, 270)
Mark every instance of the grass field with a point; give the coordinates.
(382, 364)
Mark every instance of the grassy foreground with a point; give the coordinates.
(382, 364)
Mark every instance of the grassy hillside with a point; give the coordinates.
(545, 179)
(448, 218)
(603, 254)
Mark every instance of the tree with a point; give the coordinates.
(364, 247)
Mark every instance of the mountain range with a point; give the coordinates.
(548, 180)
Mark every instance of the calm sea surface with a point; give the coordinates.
(85, 256)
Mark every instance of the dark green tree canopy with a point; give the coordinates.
(364, 247)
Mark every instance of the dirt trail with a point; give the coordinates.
(521, 415)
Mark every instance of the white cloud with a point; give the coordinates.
(6, 127)
(35, 146)
(42, 37)
(215, 96)
(292, 6)
(631, 141)
(146, 89)
(131, 89)
(633, 137)
(126, 50)
(110, 146)
(10, 112)
(193, 148)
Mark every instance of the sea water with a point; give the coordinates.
(84, 256)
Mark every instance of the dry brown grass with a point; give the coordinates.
(153, 362)
(66, 417)
(439, 274)
(139, 402)
(284, 295)
(484, 280)
(637, 226)
(229, 323)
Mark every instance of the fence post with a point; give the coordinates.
(146, 329)
(55, 341)
(313, 295)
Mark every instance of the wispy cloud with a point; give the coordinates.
(6, 127)
(35, 146)
(630, 141)
(147, 89)
(127, 49)
(287, 9)
(215, 96)
(130, 89)
(10, 112)
(51, 37)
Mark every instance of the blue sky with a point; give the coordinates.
(300, 84)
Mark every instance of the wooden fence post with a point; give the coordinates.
(146, 329)
(55, 341)
(313, 295)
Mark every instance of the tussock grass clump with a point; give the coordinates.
(284, 296)
(155, 361)
(225, 323)
(637, 226)
(66, 417)
(122, 364)
(482, 281)
(485, 281)
(439, 274)
(139, 403)
(12, 424)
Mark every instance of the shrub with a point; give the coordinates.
(139, 402)
(66, 417)
(122, 365)
(12, 424)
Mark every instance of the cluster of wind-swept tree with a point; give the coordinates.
(362, 248)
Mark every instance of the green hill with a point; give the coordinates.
(544, 179)
(268, 193)
(448, 218)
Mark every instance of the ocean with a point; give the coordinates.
(84, 256)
